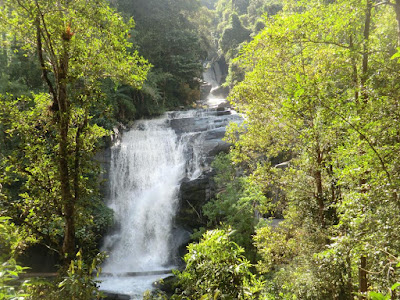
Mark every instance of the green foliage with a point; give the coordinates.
(217, 269)
(12, 241)
(167, 34)
(78, 46)
(77, 284)
(209, 3)
(33, 163)
(276, 246)
(237, 22)
(82, 23)
(233, 35)
(29, 163)
(379, 296)
(320, 92)
(258, 8)
(236, 204)
(155, 296)
(20, 73)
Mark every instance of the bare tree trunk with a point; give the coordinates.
(363, 277)
(318, 182)
(367, 25)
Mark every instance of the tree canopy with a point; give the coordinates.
(319, 142)
(76, 46)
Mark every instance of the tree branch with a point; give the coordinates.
(324, 42)
(364, 137)
(42, 63)
(384, 3)
(47, 38)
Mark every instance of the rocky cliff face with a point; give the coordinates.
(203, 130)
(214, 77)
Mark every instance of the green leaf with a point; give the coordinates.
(394, 286)
(397, 54)
(378, 296)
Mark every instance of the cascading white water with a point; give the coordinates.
(147, 166)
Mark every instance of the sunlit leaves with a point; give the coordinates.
(99, 38)
(217, 269)
(301, 101)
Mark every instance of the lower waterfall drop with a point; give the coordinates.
(146, 169)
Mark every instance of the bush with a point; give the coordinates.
(10, 240)
(77, 284)
(217, 269)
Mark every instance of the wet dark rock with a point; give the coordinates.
(205, 91)
(220, 69)
(114, 296)
(141, 127)
(166, 285)
(220, 91)
(223, 113)
(223, 106)
(213, 147)
(103, 158)
(180, 238)
(216, 133)
(204, 133)
(193, 195)
(192, 124)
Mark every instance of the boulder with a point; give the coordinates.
(114, 296)
(220, 91)
(166, 285)
(191, 124)
(223, 106)
(192, 196)
(205, 91)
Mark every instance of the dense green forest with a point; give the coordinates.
(317, 82)
(318, 86)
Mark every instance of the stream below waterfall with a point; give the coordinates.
(147, 167)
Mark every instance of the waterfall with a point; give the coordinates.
(147, 166)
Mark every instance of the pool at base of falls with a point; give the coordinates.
(134, 287)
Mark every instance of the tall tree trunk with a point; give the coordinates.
(365, 56)
(397, 10)
(367, 25)
(319, 188)
(363, 278)
(68, 200)
(354, 66)
(349, 274)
